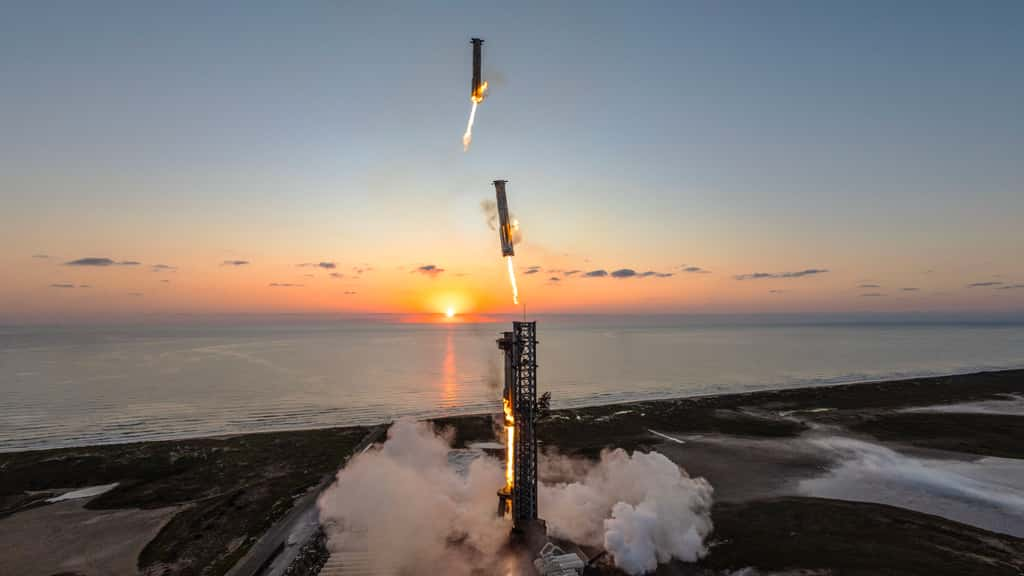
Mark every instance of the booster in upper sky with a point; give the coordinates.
(504, 223)
(475, 93)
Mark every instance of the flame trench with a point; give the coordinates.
(512, 280)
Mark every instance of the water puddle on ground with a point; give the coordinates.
(986, 492)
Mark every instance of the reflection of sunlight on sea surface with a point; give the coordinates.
(74, 386)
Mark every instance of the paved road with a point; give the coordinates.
(276, 549)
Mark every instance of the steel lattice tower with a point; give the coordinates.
(520, 348)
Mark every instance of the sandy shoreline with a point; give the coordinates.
(774, 457)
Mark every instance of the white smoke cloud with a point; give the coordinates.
(642, 508)
(419, 514)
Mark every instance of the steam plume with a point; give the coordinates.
(642, 508)
(421, 515)
(417, 511)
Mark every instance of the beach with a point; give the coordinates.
(926, 473)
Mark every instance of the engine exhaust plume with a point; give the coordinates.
(512, 280)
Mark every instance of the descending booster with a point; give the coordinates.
(475, 92)
(504, 223)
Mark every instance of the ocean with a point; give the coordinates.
(82, 385)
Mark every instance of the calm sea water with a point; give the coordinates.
(80, 386)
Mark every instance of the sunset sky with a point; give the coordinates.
(753, 157)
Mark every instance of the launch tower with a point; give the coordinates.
(520, 394)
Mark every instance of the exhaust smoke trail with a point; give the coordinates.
(512, 280)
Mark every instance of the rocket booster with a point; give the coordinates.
(504, 224)
(474, 90)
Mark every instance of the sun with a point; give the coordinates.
(450, 312)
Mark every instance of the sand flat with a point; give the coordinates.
(67, 537)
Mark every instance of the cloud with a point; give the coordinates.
(911, 289)
(596, 274)
(337, 275)
(136, 294)
(776, 291)
(62, 285)
(796, 274)
(324, 265)
(871, 295)
(571, 272)
(235, 263)
(360, 270)
(40, 256)
(630, 273)
(694, 269)
(431, 270)
(869, 286)
(984, 284)
(84, 286)
(285, 285)
(91, 261)
(554, 279)
(129, 263)
(165, 281)
(1011, 287)
(350, 292)
(532, 270)
(162, 267)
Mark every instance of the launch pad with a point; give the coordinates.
(519, 397)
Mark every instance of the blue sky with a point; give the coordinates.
(879, 141)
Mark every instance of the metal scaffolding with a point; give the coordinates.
(520, 348)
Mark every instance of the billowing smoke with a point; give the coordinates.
(418, 513)
(642, 508)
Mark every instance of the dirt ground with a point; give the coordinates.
(67, 537)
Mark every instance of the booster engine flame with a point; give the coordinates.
(512, 279)
(476, 98)
(510, 435)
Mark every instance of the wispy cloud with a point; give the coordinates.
(137, 294)
(41, 256)
(350, 292)
(869, 286)
(871, 295)
(796, 274)
(235, 263)
(164, 267)
(910, 289)
(531, 270)
(95, 261)
(1011, 287)
(571, 272)
(284, 285)
(324, 265)
(984, 284)
(337, 275)
(776, 291)
(431, 270)
(62, 285)
(694, 269)
(554, 279)
(596, 274)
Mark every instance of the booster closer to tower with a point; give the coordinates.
(504, 222)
